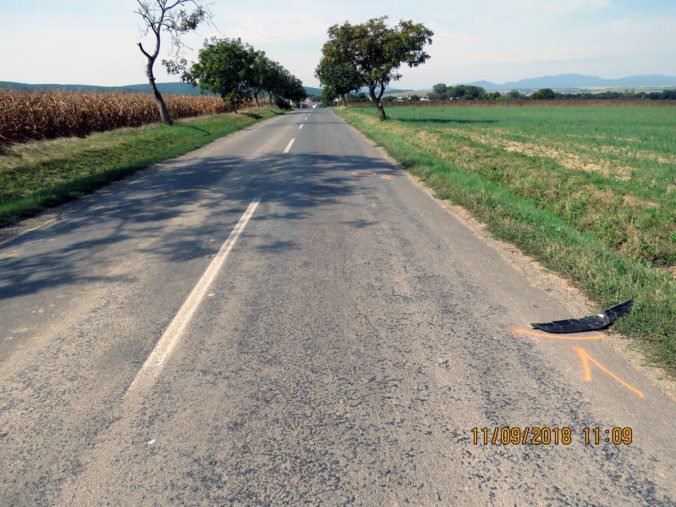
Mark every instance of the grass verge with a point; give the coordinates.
(521, 198)
(37, 175)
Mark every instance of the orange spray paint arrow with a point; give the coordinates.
(586, 359)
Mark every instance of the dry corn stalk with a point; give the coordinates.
(30, 115)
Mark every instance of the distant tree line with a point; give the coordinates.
(238, 73)
(610, 95)
(441, 92)
(465, 92)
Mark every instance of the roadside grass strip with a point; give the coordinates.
(533, 201)
(40, 174)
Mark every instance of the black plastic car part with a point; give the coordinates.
(591, 323)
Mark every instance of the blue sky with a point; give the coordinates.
(93, 41)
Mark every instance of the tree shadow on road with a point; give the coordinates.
(176, 213)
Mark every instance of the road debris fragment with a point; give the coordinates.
(591, 323)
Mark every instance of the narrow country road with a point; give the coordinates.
(284, 317)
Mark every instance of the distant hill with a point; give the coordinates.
(312, 91)
(387, 90)
(170, 88)
(573, 81)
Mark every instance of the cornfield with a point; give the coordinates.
(31, 115)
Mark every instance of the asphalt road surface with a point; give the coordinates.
(273, 322)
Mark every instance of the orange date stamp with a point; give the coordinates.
(545, 435)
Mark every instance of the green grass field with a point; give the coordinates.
(39, 174)
(588, 190)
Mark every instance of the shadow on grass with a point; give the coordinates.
(195, 128)
(444, 120)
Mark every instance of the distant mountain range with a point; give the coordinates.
(170, 88)
(175, 88)
(579, 81)
(560, 82)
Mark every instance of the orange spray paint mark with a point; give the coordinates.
(552, 336)
(586, 359)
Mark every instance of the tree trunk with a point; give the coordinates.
(342, 96)
(381, 112)
(164, 112)
(376, 100)
(256, 97)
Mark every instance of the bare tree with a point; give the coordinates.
(172, 18)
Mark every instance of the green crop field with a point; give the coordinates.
(588, 190)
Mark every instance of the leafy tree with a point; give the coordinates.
(282, 85)
(293, 89)
(170, 17)
(515, 95)
(440, 88)
(224, 68)
(543, 94)
(329, 94)
(260, 74)
(439, 92)
(339, 77)
(467, 92)
(374, 52)
(238, 72)
(289, 87)
(274, 78)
